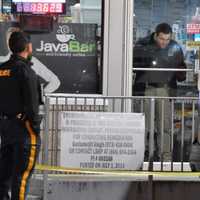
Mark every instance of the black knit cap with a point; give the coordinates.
(18, 41)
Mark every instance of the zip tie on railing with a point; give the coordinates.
(109, 172)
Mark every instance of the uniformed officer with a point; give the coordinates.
(19, 119)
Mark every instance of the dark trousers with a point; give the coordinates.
(17, 159)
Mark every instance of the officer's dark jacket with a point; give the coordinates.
(146, 52)
(19, 88)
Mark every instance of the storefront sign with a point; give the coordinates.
(192, 45)
(67, 56)
(102, 140)
(70, 52)
(193, 28)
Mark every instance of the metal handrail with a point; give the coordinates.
(59, 95)
(162, 69)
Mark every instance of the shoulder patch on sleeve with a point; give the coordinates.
(5, 72)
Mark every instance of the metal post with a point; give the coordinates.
(45, 140)
(182, 134)
(172, 133)
(151, 136)
(162, 133)
(151, 149)
(121, 65)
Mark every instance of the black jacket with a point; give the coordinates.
(146, 52)
(19, 88)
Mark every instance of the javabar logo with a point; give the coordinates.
(67, 43)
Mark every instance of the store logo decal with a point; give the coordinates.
(64, 35)
(67, 43)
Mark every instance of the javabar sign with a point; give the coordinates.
(70, 52)
(69, 40)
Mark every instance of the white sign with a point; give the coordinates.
(102, 140)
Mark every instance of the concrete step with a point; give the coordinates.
(33, 197)
(36, 186)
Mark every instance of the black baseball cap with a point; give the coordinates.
(18, 41)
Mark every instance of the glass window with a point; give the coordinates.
(166, 39)
(66, 37)
(163, 48)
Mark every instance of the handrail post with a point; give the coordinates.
(151, 136)
(45, 140)
(151, 148)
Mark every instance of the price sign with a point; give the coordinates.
(39, 7)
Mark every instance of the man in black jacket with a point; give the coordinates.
(19, 119)
(158, 50)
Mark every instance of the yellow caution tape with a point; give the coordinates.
(109, 172)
